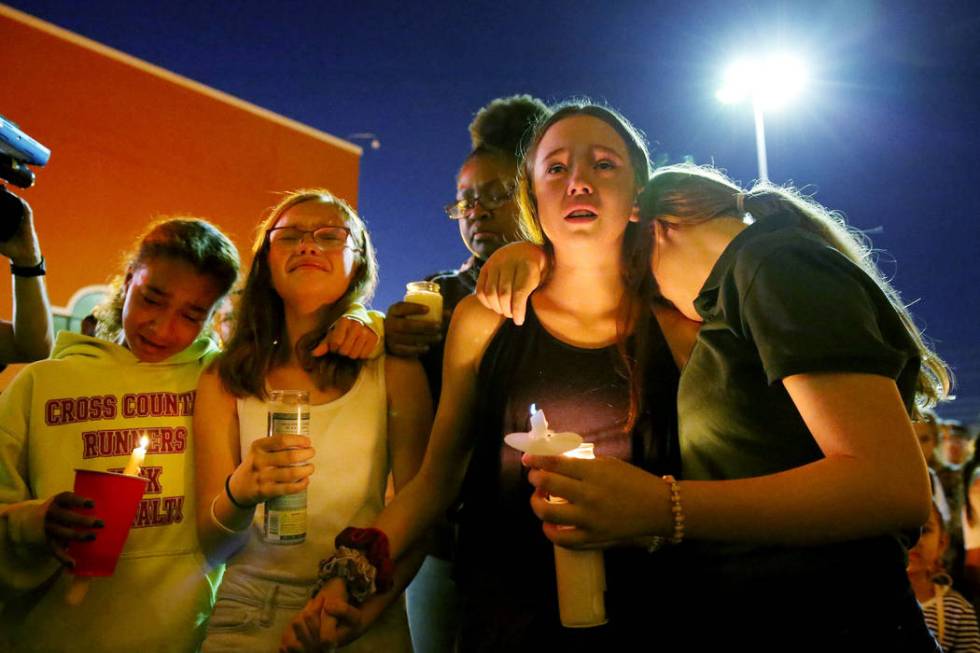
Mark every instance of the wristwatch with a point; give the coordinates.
(28, 270)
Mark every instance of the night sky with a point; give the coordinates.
(887, 131)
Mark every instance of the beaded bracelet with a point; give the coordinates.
(676, 510)
(677, 518)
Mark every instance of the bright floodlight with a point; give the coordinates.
(768, 82)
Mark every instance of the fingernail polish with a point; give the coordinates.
(99, 523)
(88, 537)
(89, 503)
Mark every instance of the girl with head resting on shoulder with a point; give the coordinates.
(801, 471)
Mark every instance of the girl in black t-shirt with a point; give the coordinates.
(802, 473)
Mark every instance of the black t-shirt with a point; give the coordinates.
(505, 565)
(454, 286)
(780, 302)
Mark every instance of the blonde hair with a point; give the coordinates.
(257, 342)
(688, 193)
(191, 240)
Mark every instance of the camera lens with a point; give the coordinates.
(11, 214)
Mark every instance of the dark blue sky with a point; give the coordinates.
(887, 131)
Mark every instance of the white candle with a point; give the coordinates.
(581, 574)
(425, 293)
(540, 440)
(539, 424)
(136, 458)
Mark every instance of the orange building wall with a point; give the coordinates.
(131, 141)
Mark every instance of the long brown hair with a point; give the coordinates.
(258, 341)
(191, 240)
(634, 295)
(688, 193)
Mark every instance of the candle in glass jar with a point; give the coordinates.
(425, 293)
(136, 458)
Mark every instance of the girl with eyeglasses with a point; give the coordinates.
(590, 355)
(313, 259)
(486, 214)
(487, 217)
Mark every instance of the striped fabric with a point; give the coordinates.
(956, 628)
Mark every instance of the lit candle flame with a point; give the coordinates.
(136, 458)
(539, 424)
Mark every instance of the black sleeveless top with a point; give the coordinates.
(504, 563)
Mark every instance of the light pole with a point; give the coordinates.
(768, 83)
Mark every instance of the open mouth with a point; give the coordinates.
(581, 215)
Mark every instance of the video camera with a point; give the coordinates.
(17, 151)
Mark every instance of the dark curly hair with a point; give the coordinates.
(504, 126)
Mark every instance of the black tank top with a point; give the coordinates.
(505, 565)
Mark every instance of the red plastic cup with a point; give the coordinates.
(117, 498)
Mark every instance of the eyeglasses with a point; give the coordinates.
(493, 199)
(326, 238)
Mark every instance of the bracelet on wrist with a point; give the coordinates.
(217, 522)
(677, 518)
(37, 270)
(234, 502)
(676, 510)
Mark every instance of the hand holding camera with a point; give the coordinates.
(17, 151)
(29, 336)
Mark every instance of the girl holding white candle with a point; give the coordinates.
(584, 168)
(71, 412)
(313, 259)
(802, 470)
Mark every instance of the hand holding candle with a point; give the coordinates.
(541, 440)
(63, 524)
(581, 575)
(115, 498)
(427, 294)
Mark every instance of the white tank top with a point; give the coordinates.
(348, 486)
